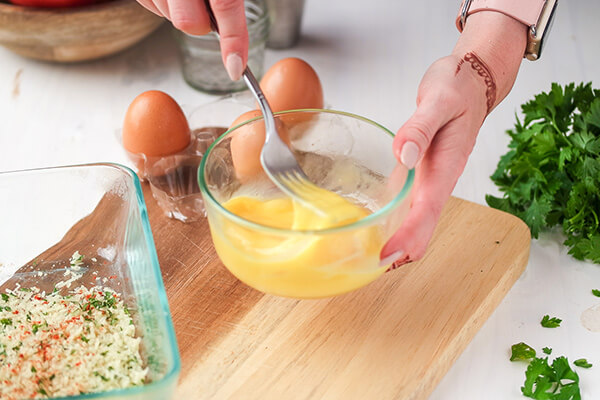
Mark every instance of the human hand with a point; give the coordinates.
(438, 139)
(190, 16)
(454, 97)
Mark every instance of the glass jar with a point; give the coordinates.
(201, 61)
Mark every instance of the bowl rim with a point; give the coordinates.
(363, 222)
(64, 10)
(174, 371)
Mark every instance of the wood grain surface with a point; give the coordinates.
(393, 339)
(76, 33)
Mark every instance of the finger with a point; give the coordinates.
(189, 16)
(415, 136)
(163, 8)
(149, 5)
(231, 17)
(436, 177)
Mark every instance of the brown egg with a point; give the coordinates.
(247, 142)
(155, 125)
(292, 83)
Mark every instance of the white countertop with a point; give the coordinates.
(370, 57)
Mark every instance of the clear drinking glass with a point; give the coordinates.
(201, 61)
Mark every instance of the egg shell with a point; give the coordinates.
(290, 84)
(155, 125)
(247, 143)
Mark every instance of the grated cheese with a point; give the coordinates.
(53, 345)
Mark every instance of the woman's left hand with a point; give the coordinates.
(454, 97)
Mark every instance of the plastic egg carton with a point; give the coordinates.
(173, 179)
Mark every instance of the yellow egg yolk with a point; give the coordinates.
(301, 265)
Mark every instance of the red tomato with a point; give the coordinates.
(53, 3)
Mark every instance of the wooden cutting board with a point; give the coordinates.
(393, 339)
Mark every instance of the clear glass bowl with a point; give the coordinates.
(98, 210)
(341, 152)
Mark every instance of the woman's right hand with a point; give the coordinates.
(190, 16)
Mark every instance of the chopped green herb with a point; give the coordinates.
(105, 379)
(33, 369)
(596, 292)
(35, 328)
(5, 297)
(582, 363)
(553, 382)
(76, 259)
(549, 177)
(548, 322)
(83, 338)
(25, 289)
(522, 352)
(547, 350)
(6, 321)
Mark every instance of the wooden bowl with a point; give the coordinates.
(76, 33)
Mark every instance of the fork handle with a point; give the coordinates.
(252, 83)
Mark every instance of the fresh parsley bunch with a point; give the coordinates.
(551, 174)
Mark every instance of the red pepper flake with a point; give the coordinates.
(78, 363)
(112, 277)
(16, 312)
(37, 297)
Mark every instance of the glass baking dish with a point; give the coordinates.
(98, 210)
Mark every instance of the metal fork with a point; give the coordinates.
(277, 159)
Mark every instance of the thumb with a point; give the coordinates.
(414, 137)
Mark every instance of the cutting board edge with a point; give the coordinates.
(480, 317)
(505, 214)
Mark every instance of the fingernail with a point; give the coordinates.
(234, 66)
(409, 154)
(391, 258)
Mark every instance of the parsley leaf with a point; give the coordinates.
(556, 381)
(547, 350)
(582, 363)
(549, 175)
(521, 352)
(548, 322)
(596, 292)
